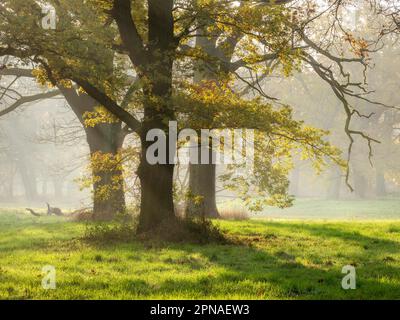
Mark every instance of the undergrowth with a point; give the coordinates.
(178, 230)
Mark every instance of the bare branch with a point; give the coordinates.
(29, 99)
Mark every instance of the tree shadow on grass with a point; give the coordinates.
(378, 274)
(325, 231)
(33, 238)
(252, 273)
(22, 232)
(252, 270)
(214, 272)
(255, 272)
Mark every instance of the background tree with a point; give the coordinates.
(104, 137)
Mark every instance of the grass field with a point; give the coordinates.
(322, 209)
(275, 260)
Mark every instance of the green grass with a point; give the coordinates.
(278, 260)
(321, 209)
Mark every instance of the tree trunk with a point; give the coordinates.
(295, 182)
(360, 184)
(9, 183)
(28, 179)
(9, 188)
(157, 204)
(58, 188)
(202, 184)
(106, 139)
(202, 201)
(202, 181)
(44, 188)
(335, 180)
(156, 181)
(380, 183)
(154, 65)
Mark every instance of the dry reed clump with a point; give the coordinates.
(235, 214)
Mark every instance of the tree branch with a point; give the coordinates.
(19, 72)
(110, 105)
(28, 99)
(122, 14)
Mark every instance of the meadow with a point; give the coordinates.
(270, 259)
